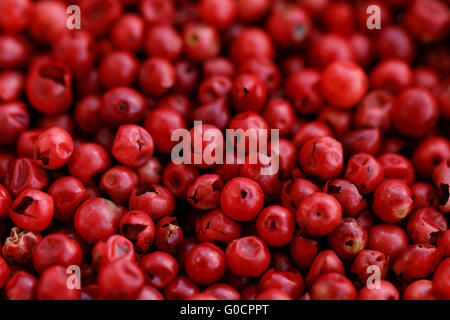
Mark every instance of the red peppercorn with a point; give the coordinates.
(247, 256)
(56, 249)
(178, 177)
(425, 224)
(311, 130)
(291, 282)
(302, 88)
(216, 226)
(348, 239)
(139, 228)
(429, 153)
(397, 167)
(156, 76)
(155, 200)
(365, 172)
(21, 286)
(427, 20)
(361, 141)
(48, 87)
(440, 280)
(47, 21)
(389, 239)
(201, 41)
(303, 250)
(419, 102)
(374, 111)
(424, 195)
(161, 123)
(14, 118)
(333, 286)
(219, 13)
(205, 264)
(343, 84)
(53, 148)
(241, 199)
(113, 248)
(100, 14)
(32, 209)
(120, 279)
(156, 11)
(23, 174)
(14, 15)
(289, 25)
(322, 157)
(169, 235)
(87, 160)
(12, 84)
(121, 105)
(133, 145)
(99, 212)
(127, 33)
(416, 261)
(248, 93)
(18, 247)
(328, 48)
(275, 225)
(386, 291)
(118, 68)
(149, 293)
(318, 214)
(251, 43)
(392, 201)
(52, 285)
(160, 267)
(367, 259)
(351, 201)
(419, 290)
(180, 288)
(164, 41)
(204, 192)
(119, 182)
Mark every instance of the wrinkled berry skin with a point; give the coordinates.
(18, 247)
(53, 148)
(32, 210)
(322, 157)
(49, 87)
(120, 280)
(348, 239)
(392, 201)
(155, 200)
(425, 224)
(367, 258)
(133, 145)
(417, 261)
(247, 256)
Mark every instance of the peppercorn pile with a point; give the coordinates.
(93, 206)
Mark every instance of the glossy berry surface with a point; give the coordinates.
(224, 149)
